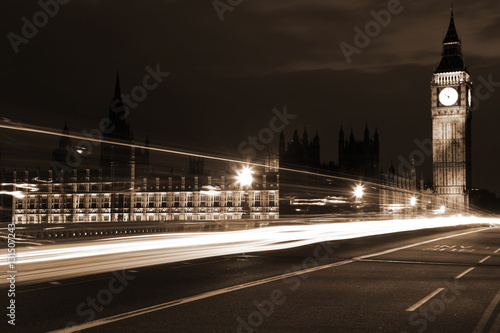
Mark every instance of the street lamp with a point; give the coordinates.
(244, 176)
(359, 191)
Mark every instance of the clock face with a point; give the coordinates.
(448, 96)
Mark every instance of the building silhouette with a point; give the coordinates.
(301, 153)
(359, 158)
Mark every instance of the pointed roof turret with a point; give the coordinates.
(451, 34)
(117, 112)
(118, 91)
(65, 140)
(451, 60)
(305, 136)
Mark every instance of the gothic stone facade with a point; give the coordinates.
(451, 100)
(88, 197)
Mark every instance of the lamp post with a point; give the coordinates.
(244, 177)
(359, 191)
(413, 204)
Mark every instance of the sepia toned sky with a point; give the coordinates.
(227, 76)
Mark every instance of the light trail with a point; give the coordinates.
(7, 124)
(59, 261)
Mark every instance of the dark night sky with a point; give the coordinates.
(226, 77)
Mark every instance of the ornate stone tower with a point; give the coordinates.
(451, 89)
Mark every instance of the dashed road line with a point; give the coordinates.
(463, 273)
(484, 259)
(424, 300)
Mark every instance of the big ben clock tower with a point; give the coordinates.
(451, 125)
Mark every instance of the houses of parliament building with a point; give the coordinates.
(124, 187)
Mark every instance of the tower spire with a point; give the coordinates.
(117, 85)
(451, 60)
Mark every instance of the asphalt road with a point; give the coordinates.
(441, 280)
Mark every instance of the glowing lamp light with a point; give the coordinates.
(359, 191)
(413, 201)
(442, 209)
(244, 176)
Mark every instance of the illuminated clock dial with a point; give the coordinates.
(448, 96)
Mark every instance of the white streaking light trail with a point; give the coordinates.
(58, 261)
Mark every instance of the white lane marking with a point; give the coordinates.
(185, 300)
(193, 298)
(55, 282)
(487, 314)
(498, 250)
(463, 273)
(133, 271)
(411, 262)
(484, 259)
(418, 244)
(424, 300)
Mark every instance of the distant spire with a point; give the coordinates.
(305, 136)
(118, 91)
